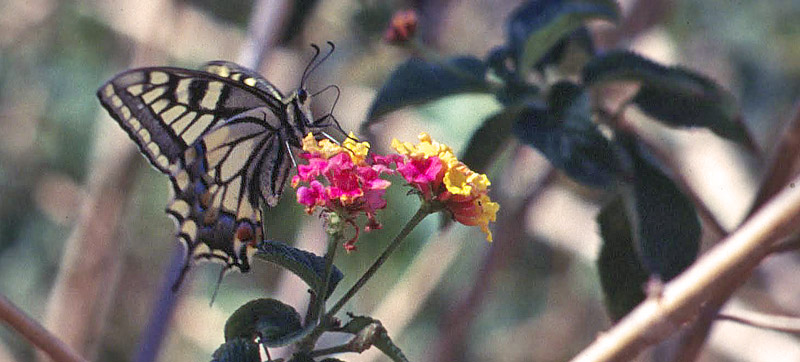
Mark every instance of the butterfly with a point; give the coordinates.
(224, 136)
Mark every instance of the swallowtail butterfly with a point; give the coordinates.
(224, 136)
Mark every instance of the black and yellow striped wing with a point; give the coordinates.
(218, 134)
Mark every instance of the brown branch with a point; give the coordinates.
(785, 161)
(263, 32)
(36, 334)
(90, 266)
(731, 260)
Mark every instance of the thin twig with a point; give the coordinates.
(763, 321)
(36, 334)
(733, 259)
(784, 163)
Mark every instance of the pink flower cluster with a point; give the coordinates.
(345, 179)
(350, 185)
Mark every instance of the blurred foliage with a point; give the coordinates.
(54, 54)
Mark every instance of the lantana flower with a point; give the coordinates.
(341, 179)
(433, 169)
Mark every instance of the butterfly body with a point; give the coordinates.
(223, 136)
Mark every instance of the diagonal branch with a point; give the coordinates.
(731, 260)
(36, 334)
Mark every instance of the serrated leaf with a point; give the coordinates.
(676, 96)
(565, 134)
(668, 230)
(370, 332)
(622, 275)
(418, 81)
(237, 350)
(537, 26)
(308, 266)
(273, 322)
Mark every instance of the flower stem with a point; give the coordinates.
(322, 292)
(423, 211)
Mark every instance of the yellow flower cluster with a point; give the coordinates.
(326, 148)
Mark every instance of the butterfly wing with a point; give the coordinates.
(165, 110)
(216, 133)
(217, 193)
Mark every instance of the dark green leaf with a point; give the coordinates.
(622, 276)
(370, 332)
(667, 223)
(515, 89)
(237, 350)
(417, 81)
(676, 96)
(273, 322)
(565, 134)
(537, 26)
(306, 265)
(487, 140)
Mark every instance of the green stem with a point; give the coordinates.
(322, 294)
(423, 211)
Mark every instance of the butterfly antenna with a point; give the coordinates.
(333, 106)
(216, 288)
(313, 68)
(335, 100)
(309, 67)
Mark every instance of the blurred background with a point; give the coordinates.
(84, 240)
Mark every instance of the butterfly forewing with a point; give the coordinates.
(220, 134)
(166, 109)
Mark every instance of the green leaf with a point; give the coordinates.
(417, 81)
(537, 26)
(370, 332)
(273, 322)
(308, 266)
(668, 230)
(487, 140)
(676, 96)
(622, 275)
(237, 350)
(565, 134)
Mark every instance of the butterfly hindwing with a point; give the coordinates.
(218, 192)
